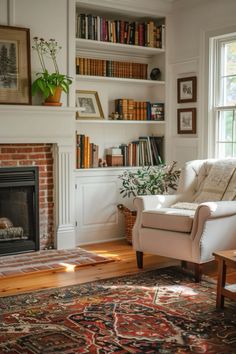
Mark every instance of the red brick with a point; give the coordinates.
(8, 163)
(5, 157)
(36, 156)
(46, 174)
(25, 163)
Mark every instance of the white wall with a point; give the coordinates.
(188, 25)
(46, 19)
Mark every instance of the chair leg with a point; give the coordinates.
(197, 272)
(139, 258)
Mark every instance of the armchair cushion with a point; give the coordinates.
(230, 193)
(180, 220)
(215, 183)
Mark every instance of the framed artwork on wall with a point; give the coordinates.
(187, 121)
(187, 89)
(89, 105)
(15, 69)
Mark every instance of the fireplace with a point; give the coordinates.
(30, 125)
(19, 210)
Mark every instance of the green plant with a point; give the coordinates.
(149, 180)
(48, 82)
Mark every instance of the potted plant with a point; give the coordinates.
(49, 84)
(146, 180)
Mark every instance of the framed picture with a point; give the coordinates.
(187, 121)
(89, 105)
(15, 69)
(187, 89)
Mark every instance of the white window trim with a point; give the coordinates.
(215, 66)
(207, 136)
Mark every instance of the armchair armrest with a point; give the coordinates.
(209, 211)
(149, 202)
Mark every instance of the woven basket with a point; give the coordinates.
(130, 217)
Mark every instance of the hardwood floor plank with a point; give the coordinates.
(125, 263)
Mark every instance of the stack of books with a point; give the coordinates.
(111, 68)
(147, 33)
(86, 152)
(145, 151)
(129, 109)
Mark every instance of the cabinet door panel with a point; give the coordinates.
(97, 215)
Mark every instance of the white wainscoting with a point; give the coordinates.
(96, 196)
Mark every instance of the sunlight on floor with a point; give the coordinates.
(69, 267)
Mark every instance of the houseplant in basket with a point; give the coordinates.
(49, 84)
(146, 180)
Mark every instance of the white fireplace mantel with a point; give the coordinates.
(55, 125)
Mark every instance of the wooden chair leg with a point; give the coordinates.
(139, 258)
(197, 272)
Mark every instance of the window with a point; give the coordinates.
(223, 94)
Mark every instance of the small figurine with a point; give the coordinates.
(102, 163)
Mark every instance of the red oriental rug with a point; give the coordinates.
(162, 311)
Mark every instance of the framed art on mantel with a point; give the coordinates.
(15, 69)
(187, 121)
(187, 89)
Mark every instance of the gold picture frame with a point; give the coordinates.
(15, 69)
(89, 105)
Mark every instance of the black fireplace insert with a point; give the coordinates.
(19, 210)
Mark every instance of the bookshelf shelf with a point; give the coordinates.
(123, 122)
(119, 80)
(116, 48)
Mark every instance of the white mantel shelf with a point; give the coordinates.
(36, 124)
(36, 109)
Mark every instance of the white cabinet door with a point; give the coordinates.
(96, 213)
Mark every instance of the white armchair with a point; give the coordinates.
(198, 220)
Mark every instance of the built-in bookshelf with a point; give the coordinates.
(115, 54)
(116, 50)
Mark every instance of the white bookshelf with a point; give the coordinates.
(97, 189)
(117, 122)
(88, 45)
(119, 80)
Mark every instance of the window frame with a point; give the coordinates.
(216, 106)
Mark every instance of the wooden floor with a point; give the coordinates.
(125, 263)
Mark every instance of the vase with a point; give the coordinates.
(54, 100)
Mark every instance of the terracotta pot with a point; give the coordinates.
(54, 100)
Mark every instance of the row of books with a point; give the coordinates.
(128, 109)
(86, 152)
(148, 33)
(111, 68)
(146, 151)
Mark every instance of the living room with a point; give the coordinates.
(78, 206)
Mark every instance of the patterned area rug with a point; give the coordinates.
(161, 311)
(48, 260)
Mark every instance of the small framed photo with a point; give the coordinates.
(157, 111)
(187, 121)
(89, 105)
(15, 69)
(187, 89)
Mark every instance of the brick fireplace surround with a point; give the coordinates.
(44, 137)
(41, 155)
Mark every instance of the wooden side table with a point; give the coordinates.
(224, 258)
